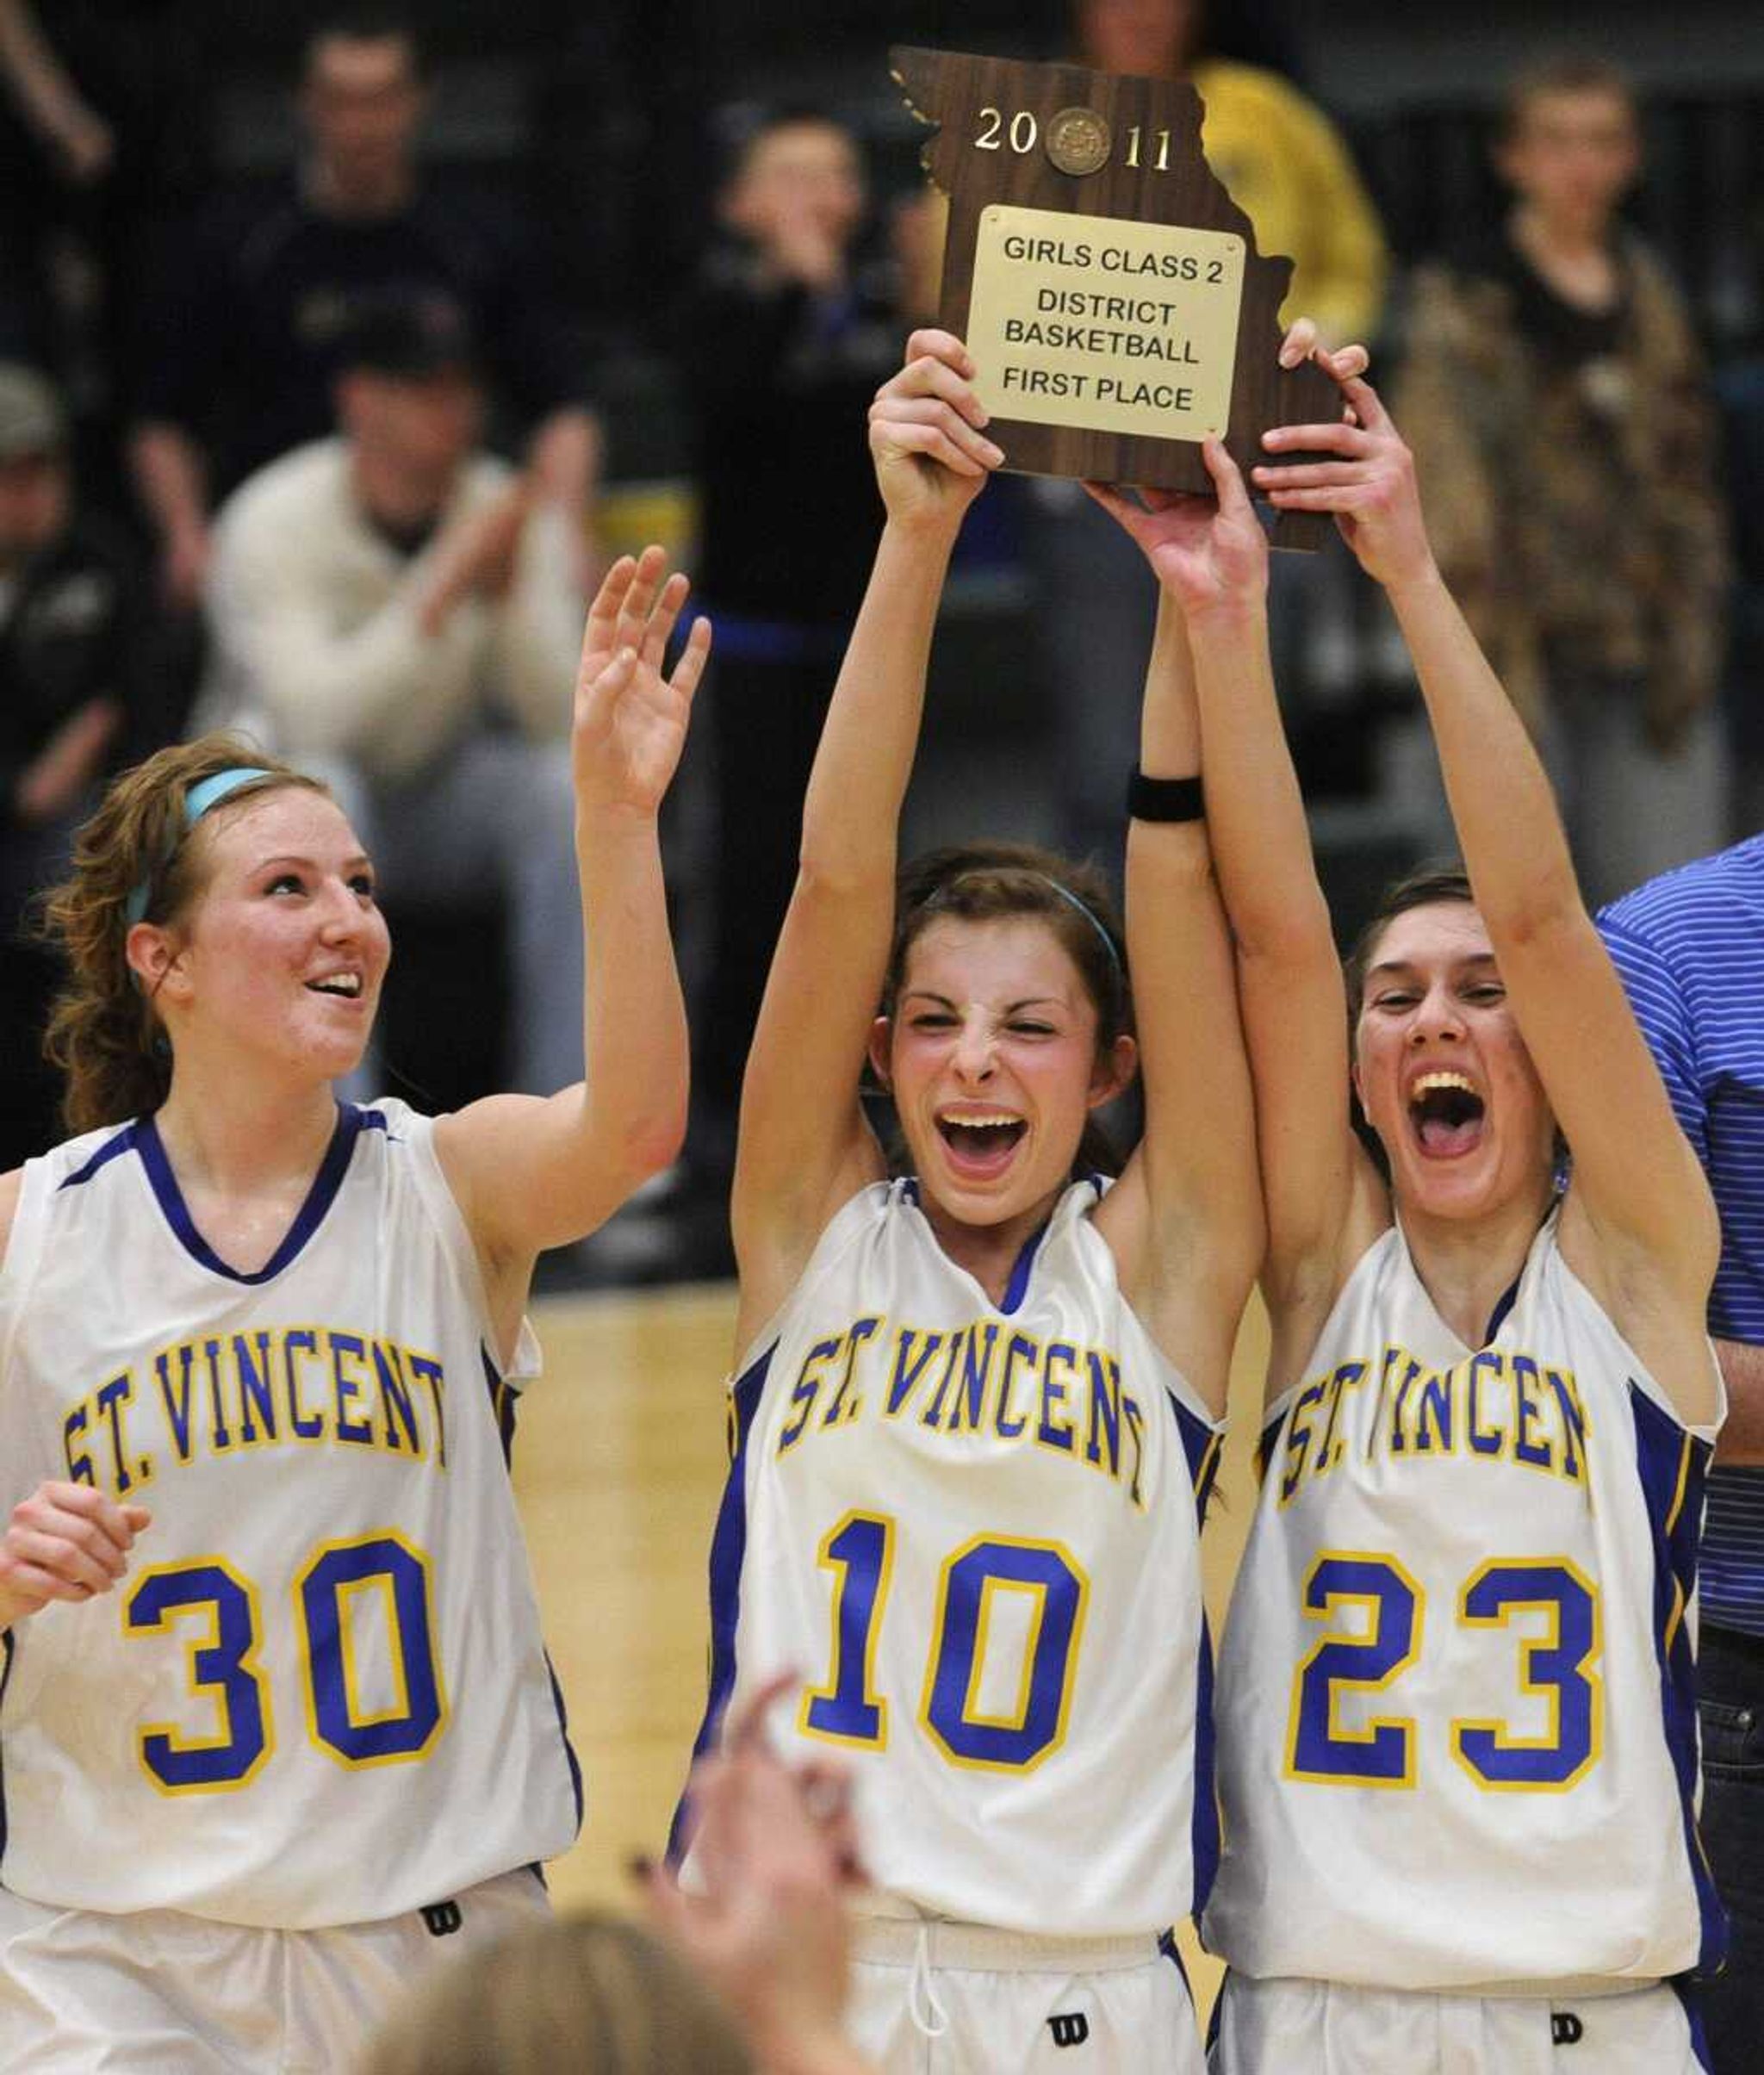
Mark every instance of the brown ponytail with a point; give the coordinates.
(104, 1031)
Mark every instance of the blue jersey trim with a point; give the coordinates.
(1684, 1989)
(1024, 1266)
(504, 1405)
(727, 1550)
(575, 1770)
(350, 1123)
(1205, 1831)
(123, 1142)
(7, 1646)
(1201, 1446)
(1672, 1464)
(1503, 1304)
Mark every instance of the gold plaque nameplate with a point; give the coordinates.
(1102, 323)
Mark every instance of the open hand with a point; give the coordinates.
(66, 1542)
(631, 720)
(927, 434)
(1369, 484)
(1204, 549)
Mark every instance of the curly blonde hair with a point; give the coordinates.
(104, 1031)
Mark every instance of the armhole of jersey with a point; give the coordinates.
(1276, 1409)
(522, 1364)
(851, 1216)
(24, 1250)
(1638, 1375)
(1182, 1392)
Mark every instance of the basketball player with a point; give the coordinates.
(974, 1404)
(277, 1726)
(1455, 1725)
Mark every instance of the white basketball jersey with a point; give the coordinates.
(1457, 1717)
(972, 1532)
(318, 1696)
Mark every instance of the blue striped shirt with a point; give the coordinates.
(1690, 948)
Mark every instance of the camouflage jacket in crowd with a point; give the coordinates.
(1572, 505)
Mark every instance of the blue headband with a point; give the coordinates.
(198, 802)
(1090, 916)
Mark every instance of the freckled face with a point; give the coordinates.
(284, 949)
(1442, 1071)
(991, 1057)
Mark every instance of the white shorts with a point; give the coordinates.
(157, 1993)
(1320, 2028)
(957, 1999)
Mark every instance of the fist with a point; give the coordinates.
(65, 1542)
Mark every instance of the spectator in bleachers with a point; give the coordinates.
(396, 611)
(790, 327)
(1561, 423)
(243, 356)
(1281, 157)
(103, 139)
(1286, 165)
(71, 696)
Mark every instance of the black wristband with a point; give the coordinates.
(1164, 800)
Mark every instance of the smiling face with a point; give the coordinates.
(281, 954)
(1442, 1072)
(991, 1057)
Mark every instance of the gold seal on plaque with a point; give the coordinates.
(1078, 140)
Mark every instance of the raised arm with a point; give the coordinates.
(803, 1146)
(1323, 1202)
(1640, 1223)
(1185, 1221)
(533, 1172)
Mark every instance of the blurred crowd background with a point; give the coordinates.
(340, 346)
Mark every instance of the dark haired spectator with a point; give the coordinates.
(72, 627)
(239, 367)
(397, 611)
(792, 324)
(1561, 423)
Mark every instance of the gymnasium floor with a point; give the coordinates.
(619, 1466)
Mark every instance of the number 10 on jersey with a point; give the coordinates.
(975, 1580)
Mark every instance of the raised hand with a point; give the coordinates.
(66, 1542)
(1203, 549)
(927, 435)
(1370, 485)
(774, 1849)
(631, 719)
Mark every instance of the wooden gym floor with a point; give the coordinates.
(619, 1466)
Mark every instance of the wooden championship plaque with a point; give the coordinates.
(1106, 283)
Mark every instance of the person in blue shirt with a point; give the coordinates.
(1690, 948)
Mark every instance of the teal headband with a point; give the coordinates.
(199, 800)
